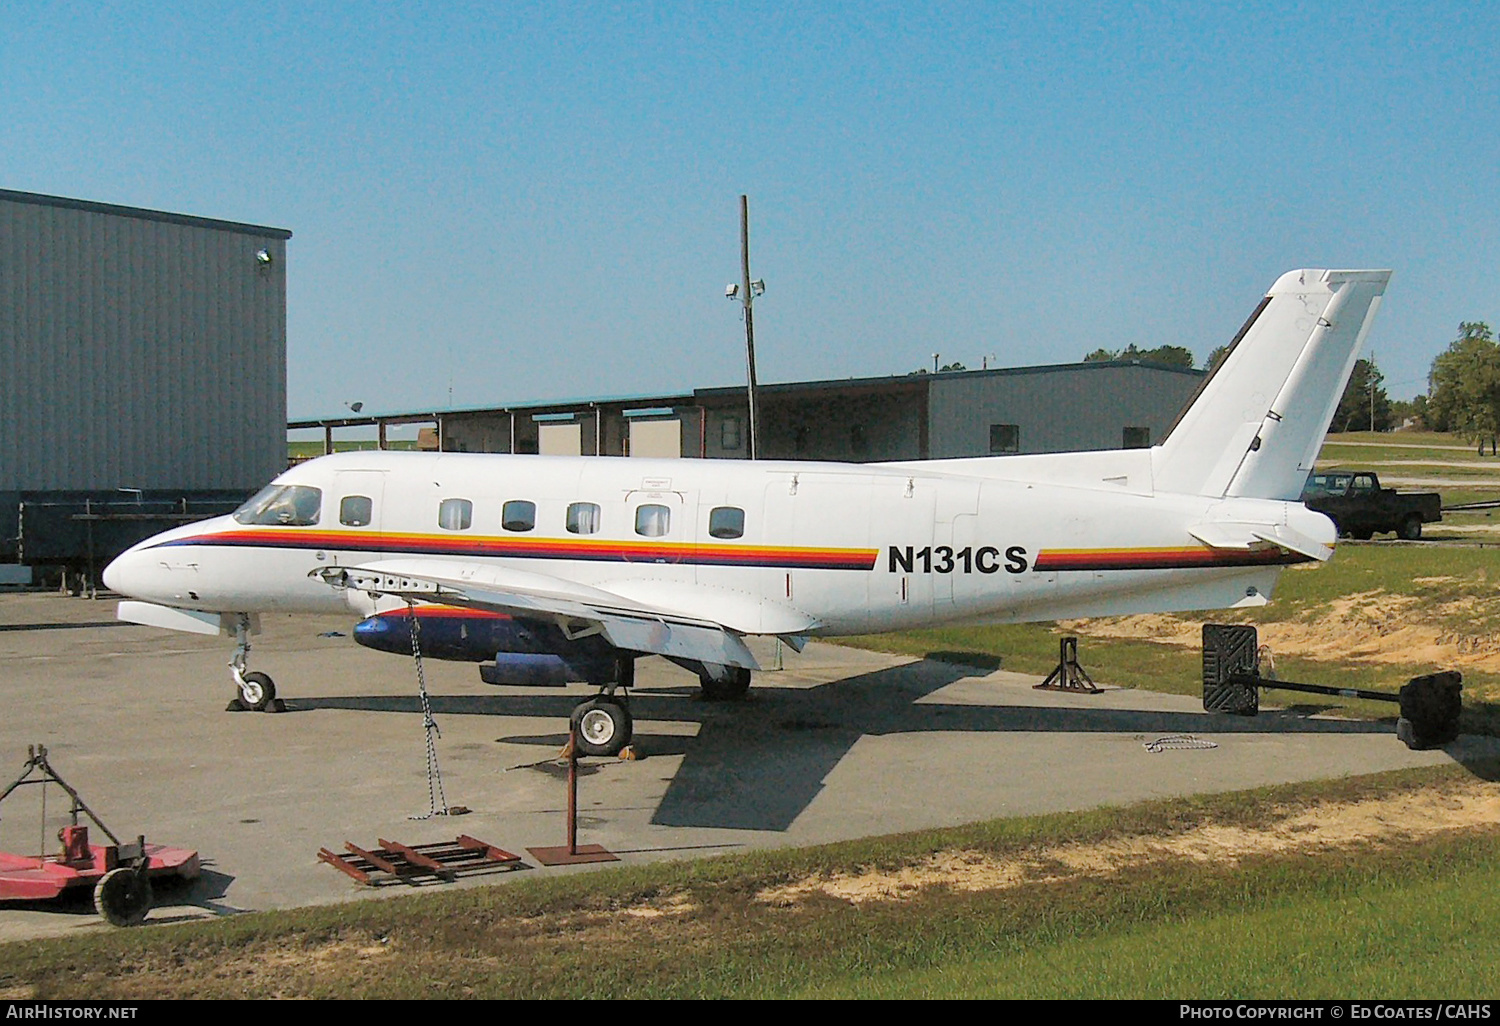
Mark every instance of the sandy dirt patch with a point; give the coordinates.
(1381, 821)
(1374, 627)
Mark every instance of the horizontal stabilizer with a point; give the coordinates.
(1241, 536)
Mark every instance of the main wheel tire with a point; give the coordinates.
(1411, 528)
(731, 688)
(257, 692)
(123, 897)
(602, 725)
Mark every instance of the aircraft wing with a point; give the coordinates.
(630, 622)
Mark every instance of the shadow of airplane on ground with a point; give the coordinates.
(757, 764)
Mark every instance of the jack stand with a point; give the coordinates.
(572, 853)
(1069, 676)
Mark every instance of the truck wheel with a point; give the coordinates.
(1411, 528)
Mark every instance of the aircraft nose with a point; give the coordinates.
(121, 572)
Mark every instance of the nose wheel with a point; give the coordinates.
(256, 691)
(602, 725)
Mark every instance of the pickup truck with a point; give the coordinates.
(1359, 507)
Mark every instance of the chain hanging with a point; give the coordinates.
(1179, 743)
(437, 801)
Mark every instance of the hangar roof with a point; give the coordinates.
(143, 214)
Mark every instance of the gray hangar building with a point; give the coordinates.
(1057, 408)
(144, 374)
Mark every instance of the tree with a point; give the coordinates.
(1364, 406)
(1464, 386)
(1413, 410)
(1215, 357)
(1172, 356)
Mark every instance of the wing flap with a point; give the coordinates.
(578, 608)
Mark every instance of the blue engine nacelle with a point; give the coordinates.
(525, 651)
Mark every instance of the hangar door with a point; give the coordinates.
(560, 439)
(661, 438)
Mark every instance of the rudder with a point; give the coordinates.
(1257, 423)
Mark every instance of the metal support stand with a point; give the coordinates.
(572, 853)
(1069, 676)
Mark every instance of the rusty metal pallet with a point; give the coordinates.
(414, 864)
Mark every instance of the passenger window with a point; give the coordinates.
(455, 514)
(583, 518)
(652, 521)
(518, 515)
(282, 506)
(726, 522)
(355, 510)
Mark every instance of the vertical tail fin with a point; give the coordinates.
(1256, 425)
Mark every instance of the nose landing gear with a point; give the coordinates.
(254, 691)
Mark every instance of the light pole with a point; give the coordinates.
(746, 294)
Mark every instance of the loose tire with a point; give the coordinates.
(603, 727)
(123, 897)
(257, 692)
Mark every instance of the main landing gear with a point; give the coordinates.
(254, 691)
(724, 683)
(603, 725)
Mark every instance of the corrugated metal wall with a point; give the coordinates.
(138, 350)
(1065, 408)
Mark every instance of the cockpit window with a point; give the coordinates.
(282, 506)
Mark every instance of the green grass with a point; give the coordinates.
(1407, 920)
(1400, 934)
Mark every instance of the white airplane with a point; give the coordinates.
(568, 568)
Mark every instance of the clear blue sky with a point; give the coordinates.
(532, 202)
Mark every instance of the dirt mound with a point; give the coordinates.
(1381, 821)
(1373, 626)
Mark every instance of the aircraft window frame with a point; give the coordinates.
(465, 518)
(583, 518)
(282, 505)
(726, 522)
(518, 515)
(653, 520)
(353, 514)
